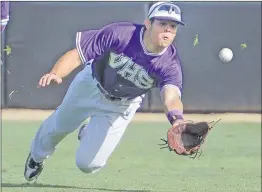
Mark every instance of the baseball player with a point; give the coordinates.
(123, 61)
(4, 20)
(4, 14)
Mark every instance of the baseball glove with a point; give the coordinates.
(186, 138)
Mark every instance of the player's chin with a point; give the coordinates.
(165, 44)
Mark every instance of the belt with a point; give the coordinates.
(105, 93)
(108, 96)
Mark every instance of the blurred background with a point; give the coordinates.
(38, 33)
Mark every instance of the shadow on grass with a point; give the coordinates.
(36, 185)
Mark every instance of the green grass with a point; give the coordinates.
(231, 162)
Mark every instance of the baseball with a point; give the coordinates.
(226, 55)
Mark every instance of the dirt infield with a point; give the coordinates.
(28, 114)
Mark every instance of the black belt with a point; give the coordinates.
(109, 97)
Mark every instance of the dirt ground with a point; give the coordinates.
(28, 114)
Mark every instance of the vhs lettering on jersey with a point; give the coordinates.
(131, 71)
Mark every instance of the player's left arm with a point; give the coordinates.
(170, 91)
(173, 105)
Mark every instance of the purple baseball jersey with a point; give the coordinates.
(4, 14)
(121, 63)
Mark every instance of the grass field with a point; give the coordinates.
(231, 162)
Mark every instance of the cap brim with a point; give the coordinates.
(170, 19)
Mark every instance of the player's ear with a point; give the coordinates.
(147, 23)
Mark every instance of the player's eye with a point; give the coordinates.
(163, 24)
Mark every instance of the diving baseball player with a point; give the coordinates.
(4, 14)
(123, 61)
(4, 19)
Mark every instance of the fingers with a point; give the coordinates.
(50, 78)
(47, 79)
(41, 81)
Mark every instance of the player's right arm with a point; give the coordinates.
(89, 45)
(63, 67)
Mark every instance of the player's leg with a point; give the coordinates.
(100, 138)
(70, 114)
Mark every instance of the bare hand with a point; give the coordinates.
(48, 78)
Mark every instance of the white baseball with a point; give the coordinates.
(226, 55)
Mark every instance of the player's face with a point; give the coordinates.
(163, 32)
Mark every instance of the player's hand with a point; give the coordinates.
(178, 122)
(49, 78)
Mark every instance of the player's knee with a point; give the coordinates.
(87, 167)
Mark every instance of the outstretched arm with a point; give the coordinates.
(63, 67)
(173, 105)
(89, 45)
(67, 63)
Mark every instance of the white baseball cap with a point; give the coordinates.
(166, 11)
